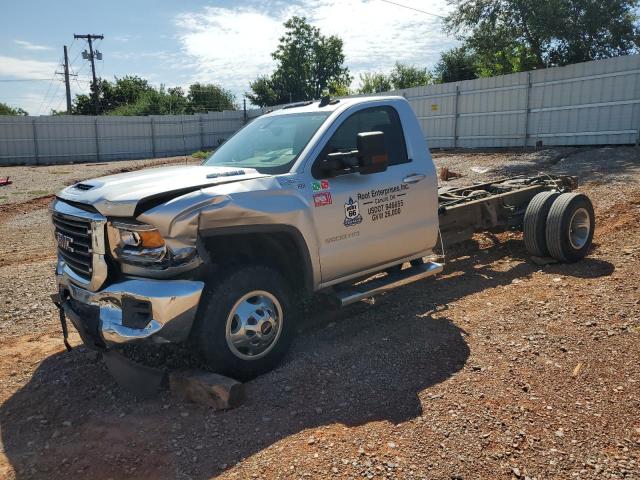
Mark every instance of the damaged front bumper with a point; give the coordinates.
(131, 310)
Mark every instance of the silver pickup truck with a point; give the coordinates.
(336, 196)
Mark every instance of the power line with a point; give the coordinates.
(24, 79)
(46, 95)
(76, 57)
(53, 97)
(414, 9)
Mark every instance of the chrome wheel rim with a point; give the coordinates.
(254, 325)
(579, 228)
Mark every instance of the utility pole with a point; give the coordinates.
(91, 56)
(66, 80)
(65, 73)
(244, 110)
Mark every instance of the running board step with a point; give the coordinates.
(389, 282)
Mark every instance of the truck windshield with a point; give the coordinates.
(271, 145)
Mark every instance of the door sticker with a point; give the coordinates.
(352, 213)
(321, 199)
(318, 186)
(384, 203)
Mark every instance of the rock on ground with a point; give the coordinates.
(206, 388)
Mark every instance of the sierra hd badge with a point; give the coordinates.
(352, 213)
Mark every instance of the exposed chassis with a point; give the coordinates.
(492, 206)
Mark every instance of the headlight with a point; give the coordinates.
(136, 242)
(141, 238)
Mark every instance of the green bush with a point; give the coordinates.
(201, 154)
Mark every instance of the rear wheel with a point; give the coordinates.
(570, 227)
(535, 223)
(245, 325)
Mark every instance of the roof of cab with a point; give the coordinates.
(330, 107)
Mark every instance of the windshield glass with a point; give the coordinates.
(271, 145)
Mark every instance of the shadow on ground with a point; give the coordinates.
(363, 364)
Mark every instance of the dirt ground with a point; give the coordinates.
(498, 368)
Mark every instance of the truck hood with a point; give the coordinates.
(129, 194)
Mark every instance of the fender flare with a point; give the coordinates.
(271, 228)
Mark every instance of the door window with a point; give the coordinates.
(374, 119)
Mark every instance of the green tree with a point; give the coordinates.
(408, 76)
(208, 97)
(375, 82)
(590, 30)
(123, 91)
(131, 95)
(176, 100)
(308, 65)
(263, 92)
(455, 65)
(516, 35)
(7, 110)
(400, 77)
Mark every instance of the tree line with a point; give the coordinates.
(496, 37)
(132, 95)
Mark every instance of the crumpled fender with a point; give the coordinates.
(235, 206)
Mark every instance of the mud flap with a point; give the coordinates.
(63, 320)
(138, 379)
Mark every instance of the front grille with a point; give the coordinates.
(73, 235)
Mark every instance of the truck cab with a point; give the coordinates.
(301, 200)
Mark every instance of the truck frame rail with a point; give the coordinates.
(493, 206)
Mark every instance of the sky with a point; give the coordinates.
(177, 43)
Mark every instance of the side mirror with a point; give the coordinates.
(372, 153)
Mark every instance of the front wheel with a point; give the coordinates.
(245, 325)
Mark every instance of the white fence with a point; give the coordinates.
(583, 104)
(64, 139)
(592, 103)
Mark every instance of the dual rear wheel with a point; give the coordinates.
(559, 225)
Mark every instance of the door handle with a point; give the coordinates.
(413, 178)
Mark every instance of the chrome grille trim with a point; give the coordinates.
(78, 256)
(84, 263)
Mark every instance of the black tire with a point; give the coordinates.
(219, 299)
(535, 223)
(565, 243)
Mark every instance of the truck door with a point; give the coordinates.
(364, 221)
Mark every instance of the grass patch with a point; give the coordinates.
(201, 154)
(38, 192)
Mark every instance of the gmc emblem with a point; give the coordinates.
(64, 242)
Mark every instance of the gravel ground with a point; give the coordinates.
(33, 182)
(496, 369)
(26, 235)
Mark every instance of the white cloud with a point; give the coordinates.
(31, 46)
(129, 55)
(26, 68)
(231, 46)
(123, 38)
(36, 97)
(378, 34)
(37, 103)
